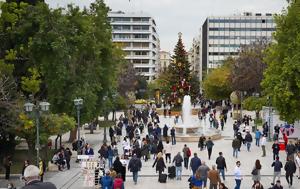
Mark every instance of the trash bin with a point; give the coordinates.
(253, 129)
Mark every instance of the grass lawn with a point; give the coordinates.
(21, 155)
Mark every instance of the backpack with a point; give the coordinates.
(188, 152)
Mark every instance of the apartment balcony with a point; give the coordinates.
(138, 57)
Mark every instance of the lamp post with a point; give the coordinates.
(78, 104)
(243, 93)
(269, 118)
(37, 109)
(104, 133)
(256, 112)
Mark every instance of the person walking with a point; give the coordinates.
(201, 142)
(256, 171)
(32, 181)
(68, 155)
(165, 132)
(178, 165)
(248, 140)
(167, 151)
(209, 147)
(277, 169)
(186, 155)
(7, 164)
(276, 149)
(290, 169)
(214, 178)
(118, 182)
(257, 137)
(173, 138)
(290, 150)
(263, 145)
(203, 170)
(195, 163)
(221, 165)
(160, 163)
(297, 161)
(238, 175)
(134, 166)
(196, 181)
(106, 181)
(236, 145)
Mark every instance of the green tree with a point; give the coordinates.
(180, 74)
(216, 85)
(282, 77)
(247, 70)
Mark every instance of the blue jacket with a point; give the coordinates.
(90, 152)
(257, 134)
(106, 182)
(196, 182)
(195, 163)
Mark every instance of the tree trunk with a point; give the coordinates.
(31, 149)
(73, 134)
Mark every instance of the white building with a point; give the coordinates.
(165, 60)
(137, 34)
(194, 56)
(223, 36)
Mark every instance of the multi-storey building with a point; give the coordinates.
(223, 36)
(165, 61)
(137, 34)
(194, 56)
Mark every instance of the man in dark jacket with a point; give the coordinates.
(290, 169)
(68, 155)
(291, 150)
(277, 169)
(173, 139)
(221, 165)
(276, 149)
(195, 163)
(31, 176)
(134, 166)
(248, 140)
(236, 145)
(165, 132)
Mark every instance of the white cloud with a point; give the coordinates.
(186, 16)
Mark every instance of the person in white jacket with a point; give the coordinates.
(297, 161)
(263, 145)
(167, 151)
(238, 175)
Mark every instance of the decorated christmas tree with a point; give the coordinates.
(180, 74)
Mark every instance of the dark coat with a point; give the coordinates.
(221, 163)
(134, 165)
(160, 164)
(290, 167)
(38, 185)
(165, 131)
(195, 163)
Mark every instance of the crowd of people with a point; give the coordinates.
(143, 138)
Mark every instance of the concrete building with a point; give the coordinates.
(223, 36)
(194, 56)
(137, 34)
(164, 61)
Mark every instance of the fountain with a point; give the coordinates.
(189, 130)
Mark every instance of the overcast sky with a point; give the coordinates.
(186, 16)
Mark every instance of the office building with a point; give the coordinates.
(165, 61)
(223, 36)
(137, 34)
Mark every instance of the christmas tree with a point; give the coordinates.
(180, 74)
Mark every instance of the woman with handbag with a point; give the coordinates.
(256, 172)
